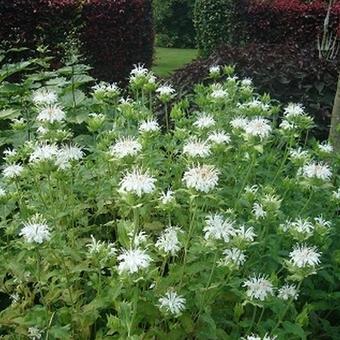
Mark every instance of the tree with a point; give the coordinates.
(334, 134)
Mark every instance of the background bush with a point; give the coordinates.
(294, 21)
(174, 23)
(217, 22)
(288, 73)
(114, 35)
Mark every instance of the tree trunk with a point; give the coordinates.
(334, 134)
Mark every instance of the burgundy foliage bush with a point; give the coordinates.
(287, 72)
(293, 21)
(114, 34)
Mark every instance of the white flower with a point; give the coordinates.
(287, 292)
(126, 146)
(196, 148)
(138, 182)
(303, 256)
(246, 234)
(336, 194)
(293, 110)
(316, 170)
(246, 82)
(204, 121)
(2, 192)
(42, 130)
(35, 230)
(167, 197)
(258, 211)
(68, 153)
(139, 239)
(139, 71)
(219, 137)
(255, 104)
(51, 114)
(165, 90)
(105, 89)
(168, 241)
(12, 170)
(133, 260)
(326, 147)
(251, 189)
(9, 153)
(218, 92)
(239, 122)
(149, 125)
(203, 178)
(44, 97)
(95, 247)
(258, 288)
(172, 303)
(43, 152)
(214, 70)
(302, 226)
(233, 256)
(217, 228)
(258, 127)
(286, 125)
(15, 297)
(298, 154)
(34, 333)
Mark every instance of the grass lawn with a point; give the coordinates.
(168, 60)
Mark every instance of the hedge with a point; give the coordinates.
(217, 22)
(114, 34)
(293, 21)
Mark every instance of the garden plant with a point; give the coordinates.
(216, 224)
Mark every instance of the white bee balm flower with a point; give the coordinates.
(172, 303)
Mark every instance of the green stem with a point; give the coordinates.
(166, 117)
(252, 320)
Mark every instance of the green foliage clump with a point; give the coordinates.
(217, 22)
(174, 23)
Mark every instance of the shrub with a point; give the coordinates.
(217, 22)
(174, 23)
(294, 21)
(113, 34)
(116, 35)
(287, 72)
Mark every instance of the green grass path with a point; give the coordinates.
(167, 60)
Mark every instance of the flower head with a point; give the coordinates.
(126, 146)
(316, 170)
(43, 152)
(258, 287)
(219, 137)
(172, 303)
(258, 127)
(149, 125)
(44, 97)
(233, 257)
(133, 260)
(203, 178)
(293, 110)
(167, 197)
(204, 121)
(325, 147)
(67, 154)
(35, 230)
(34, 333)
(287, 292)
(258, 211)
(239, 122)
(51, 114)
(196, 148)
(12, 170)
(303, 256)
(218, 228)
(165, 91)
(168, 241)
(138, 182)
